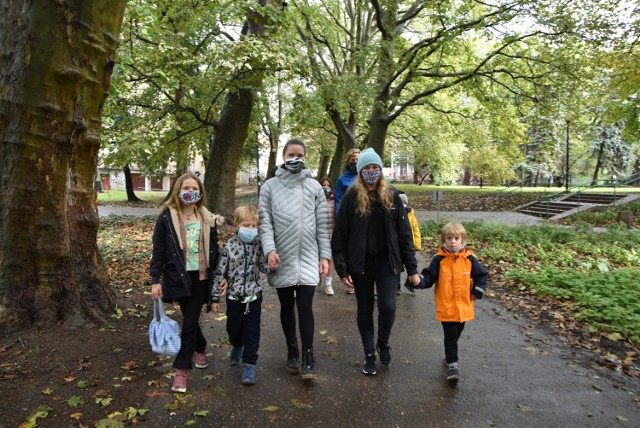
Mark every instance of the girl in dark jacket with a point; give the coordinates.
(185, 253)
(371, 243)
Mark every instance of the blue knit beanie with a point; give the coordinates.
(368, 157)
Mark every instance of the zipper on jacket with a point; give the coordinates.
(301, 228)
(246, 256)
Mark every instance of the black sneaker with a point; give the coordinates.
(369, 366)
(293, 361)
(308, 365)
(385, 354)
(453, 374)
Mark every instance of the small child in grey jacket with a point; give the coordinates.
(238, 276)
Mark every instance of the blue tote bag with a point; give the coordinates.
(164, 333)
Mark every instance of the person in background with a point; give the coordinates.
(344, 182)
(328, 191)
(238, 271)
(371, 244)
(294, 229)
(185, 254)
(415, 228)
(460, 280)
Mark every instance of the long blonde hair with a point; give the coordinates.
(174, 200)
(364, 201)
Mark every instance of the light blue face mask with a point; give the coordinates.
(247, 235)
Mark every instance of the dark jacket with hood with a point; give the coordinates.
(168, 265)
(349, 241)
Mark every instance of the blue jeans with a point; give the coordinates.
(377, 273)
(243, 327)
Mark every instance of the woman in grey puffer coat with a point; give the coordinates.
(294, 229)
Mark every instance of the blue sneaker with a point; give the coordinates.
(236, 356)
(248, 374)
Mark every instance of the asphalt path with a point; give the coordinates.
(515, 373)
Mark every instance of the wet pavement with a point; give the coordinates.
(514, 373)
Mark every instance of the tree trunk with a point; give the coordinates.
(378, 126)
(273, 157)
(55, 73)
(337, 162)
(323, 166)
(598, 161)
(131, 195)
(233, 127)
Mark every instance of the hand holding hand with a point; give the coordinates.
(274, 260)
(415, 279)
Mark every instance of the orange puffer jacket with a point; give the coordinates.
(453, 275)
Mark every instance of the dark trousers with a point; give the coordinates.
(243, 327)
(377, 273)
(192, 339)
(452, 332)
(300, 296)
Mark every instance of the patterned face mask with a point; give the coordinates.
(352, 166)
(190, 198)
(294, 165)
(371, 176)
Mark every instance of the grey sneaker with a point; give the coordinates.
(453, 374)
(369, 365)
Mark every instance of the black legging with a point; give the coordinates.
(378, 275)
(302, 297)
(192, 339)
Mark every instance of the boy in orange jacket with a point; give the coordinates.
(460, 280)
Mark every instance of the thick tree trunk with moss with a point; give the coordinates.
(55, 71)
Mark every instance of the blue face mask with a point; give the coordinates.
(190, 198)
(247, 235)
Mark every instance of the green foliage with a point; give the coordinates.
(609, 301)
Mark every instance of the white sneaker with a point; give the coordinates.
(328, 290)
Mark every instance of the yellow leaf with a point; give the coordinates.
(76, 416)
(47, 391)
(323, 332)
(301, 404)
(270, 408)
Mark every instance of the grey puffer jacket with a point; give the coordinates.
(294, 222)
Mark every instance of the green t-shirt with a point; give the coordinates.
(193, 246)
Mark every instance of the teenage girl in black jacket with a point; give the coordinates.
(371, 244)
(185, 254)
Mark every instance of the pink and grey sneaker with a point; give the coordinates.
(201, 360)
(180, 380)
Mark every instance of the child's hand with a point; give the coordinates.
(223, 287)
(215, 307)
(473, 297)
